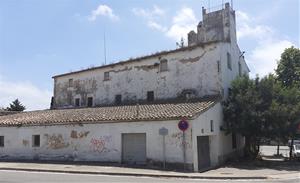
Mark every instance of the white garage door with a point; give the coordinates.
(134, 148)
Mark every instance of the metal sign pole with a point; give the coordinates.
(164, 150)
(184, 155)
(183, 125)
(164, 131)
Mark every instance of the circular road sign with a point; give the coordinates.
(183, 125)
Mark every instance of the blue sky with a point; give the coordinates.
(39, 39)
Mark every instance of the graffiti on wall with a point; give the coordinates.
(176, 140)
(56, 141)
(100, 144)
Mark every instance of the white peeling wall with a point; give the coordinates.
(220, 144)
(229, 75)
(93, 142)
(194, 69)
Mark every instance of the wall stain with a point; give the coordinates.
(75, 134)
(25, 142)
(147, 67)
(191, 60)
(121, 70)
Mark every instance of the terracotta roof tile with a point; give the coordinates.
(128, 113)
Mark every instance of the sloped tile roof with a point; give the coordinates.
(128, 113)
(3, 112)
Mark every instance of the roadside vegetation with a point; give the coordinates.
(268, 107)
(15, 105)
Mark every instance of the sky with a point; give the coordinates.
(40, 39)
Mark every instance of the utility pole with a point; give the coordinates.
(104, 42)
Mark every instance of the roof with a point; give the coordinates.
(138, 58)
(133, 113)
(4, 112)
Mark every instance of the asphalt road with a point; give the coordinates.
(43, 177)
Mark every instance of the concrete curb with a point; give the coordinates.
(135, 174)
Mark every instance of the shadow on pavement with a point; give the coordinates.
(270, 163)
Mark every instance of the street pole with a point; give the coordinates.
(164, 150)
(183, 146)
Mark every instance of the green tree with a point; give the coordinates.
(288, 69)
(242, 114)
(288, 72)
(16, 106)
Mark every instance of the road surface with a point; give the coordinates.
(44, 177)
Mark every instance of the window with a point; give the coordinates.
(1, 141)
(118, 99)
(219, 66)
(77, 102)
(211, 125)
(90, 101)
(188, 95)
(240, 69)
(35, 140)
(229, 64)
(163, 65)
(150, 96)
(229, 91)
(233, 141)
(70, 82)
(106, 76)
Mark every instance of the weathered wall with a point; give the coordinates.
(227, 75)
(94, 142)
(216, 26)
(194, 69)
(220, 144)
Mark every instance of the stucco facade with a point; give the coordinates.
(201, 69)
(134, 99)
(103, 141)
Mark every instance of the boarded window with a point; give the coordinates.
(150, 96)
(218, 66)
(240, 69)
(70, 82)
(233, 141)
(118, 99)
(36, 141)
(1, 141)
(211, 125)
(106, 76)
(163, 65)
(229, 91)
(90, 102)
(229, 64)
(77, 102)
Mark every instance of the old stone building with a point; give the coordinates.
(129, 112)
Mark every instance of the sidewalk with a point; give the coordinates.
(220, 173)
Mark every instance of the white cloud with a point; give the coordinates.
(264, 57)
(152, 17)
(31, 96)
(183, 22)
(103, 10)
(149, 14)
(246, 27)
(155, 25)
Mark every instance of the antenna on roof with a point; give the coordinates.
(209, 5)
(231, 4)
(104, 42)
(181, 44)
